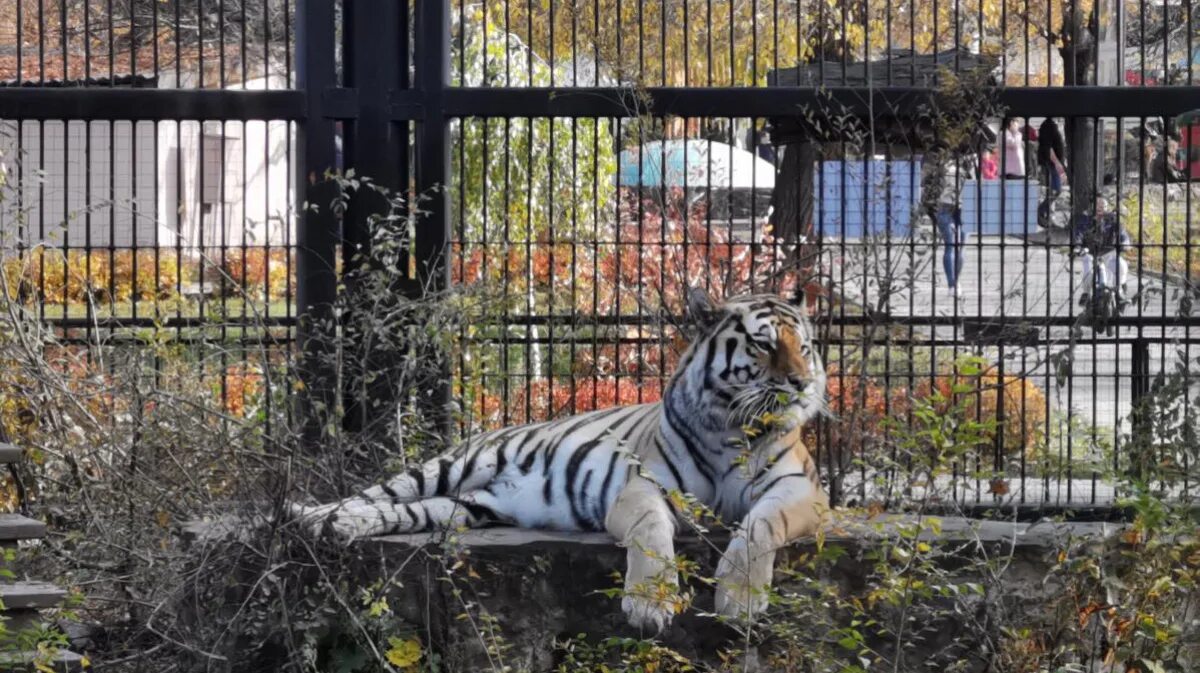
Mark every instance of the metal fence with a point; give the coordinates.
(585, 160)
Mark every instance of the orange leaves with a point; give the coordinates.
(103, 276)
(240, 387)
(1020, 410)
(863, 402)
(645, 259)
(255, 271)
(563, 397)
(77, 276)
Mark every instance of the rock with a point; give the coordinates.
(82, 637)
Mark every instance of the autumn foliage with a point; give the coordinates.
(99, 275)
(79, 276)
(862, 406)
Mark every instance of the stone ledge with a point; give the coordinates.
(541, 586)
(842, 531)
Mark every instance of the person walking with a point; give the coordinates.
(1014, 151)
(1051, 151)
(943, 174)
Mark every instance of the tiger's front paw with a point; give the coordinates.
(646, 614)
(651, 595)
(741, 583)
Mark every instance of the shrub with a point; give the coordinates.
(260, 273)
(558, 398)
(864, 404)
(101, 276)
(1023, 414)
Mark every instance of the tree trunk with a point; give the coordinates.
(1078, 57)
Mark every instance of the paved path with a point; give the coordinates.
(1008, 276)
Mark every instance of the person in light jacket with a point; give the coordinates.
(943, 175)
(1014, 151)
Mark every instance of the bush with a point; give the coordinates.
(99, 276)
(865, 407)
(259, 273)
(103, 276)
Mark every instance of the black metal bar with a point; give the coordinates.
(97, 104)
(433, 234)
(780, 101)
(433, 143)
(1140, 371)
(317, 229)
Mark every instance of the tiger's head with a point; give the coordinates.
(754, 359)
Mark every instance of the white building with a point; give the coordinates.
(148, 183)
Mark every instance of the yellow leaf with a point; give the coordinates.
(923, 547)
(403, 653)
(379, 608)
(85, 662)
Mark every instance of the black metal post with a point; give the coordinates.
(317, 231)
(376, 147)
(433, 169)
(433, 144)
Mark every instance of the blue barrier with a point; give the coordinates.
(886, 199)
(981, 209)
(853, 206)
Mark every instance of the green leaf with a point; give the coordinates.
(1152, 666)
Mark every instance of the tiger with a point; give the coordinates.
(620, 469)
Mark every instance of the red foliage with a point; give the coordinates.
(562, 398)
(862, 403)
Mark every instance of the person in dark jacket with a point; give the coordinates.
(1051, 159)
(1031, 162)
(1164, 167)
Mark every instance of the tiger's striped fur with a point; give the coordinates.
(610, 469)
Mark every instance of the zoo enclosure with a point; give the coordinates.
(509, 120)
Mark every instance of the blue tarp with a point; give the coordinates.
(893, 191)
(887, 197)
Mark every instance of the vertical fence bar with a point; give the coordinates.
(316, 236)
(433, 168)
(1139, 389)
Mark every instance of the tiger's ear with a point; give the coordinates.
(701, 311)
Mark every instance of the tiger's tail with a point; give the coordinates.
(442, 478)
